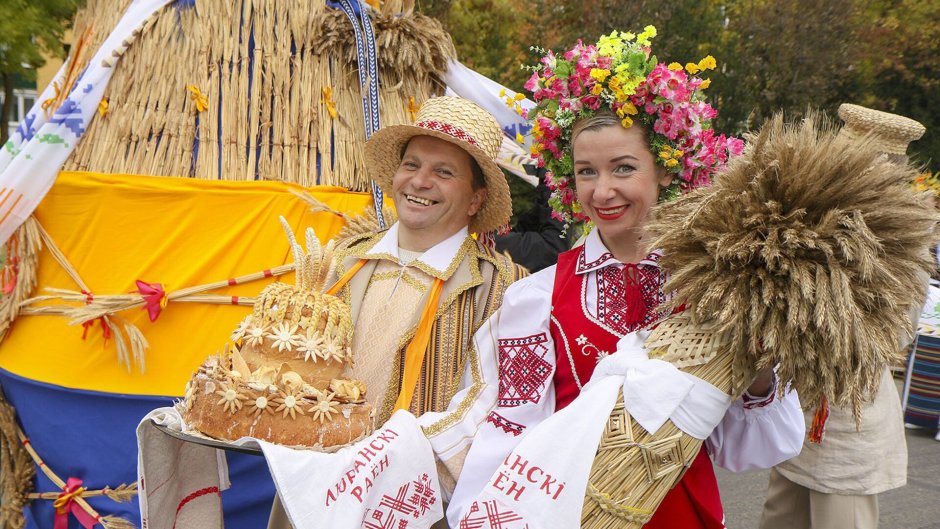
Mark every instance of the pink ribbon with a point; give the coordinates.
(66, 504)
(154, 296)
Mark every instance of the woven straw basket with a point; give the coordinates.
(633, 470)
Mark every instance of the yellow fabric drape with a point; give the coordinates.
(417, 349)
(181, 232)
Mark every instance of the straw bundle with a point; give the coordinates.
(818, 267)
(262, 67)
(633, 470)
(16, 470)
(20, 259)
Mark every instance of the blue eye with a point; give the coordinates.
(623, 169)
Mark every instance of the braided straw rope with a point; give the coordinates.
(634, 470)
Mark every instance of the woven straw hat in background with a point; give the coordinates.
(462, 123)
(889, 133)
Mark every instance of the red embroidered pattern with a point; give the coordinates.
(611, 305)
(401, 506)
(582, 266)
(493, 518)
(505, 424)
(448, 129)
(523, 369)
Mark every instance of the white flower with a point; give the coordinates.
(581, 340)
(254, 336)
(282, 337)
(261, 406)
(332, 350)
(309, 344)
(231, 399)
(325, 408)
(289, 404)
(241, 330)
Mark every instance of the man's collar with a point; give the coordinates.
(596, 256)
(437, 261)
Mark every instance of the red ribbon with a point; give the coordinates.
(66, 504)
(633, 293)
(105, 330)
(154, 296)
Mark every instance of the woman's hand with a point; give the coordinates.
(762, 384)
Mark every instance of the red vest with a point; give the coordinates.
(579, 340)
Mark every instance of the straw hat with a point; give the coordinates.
(462, 123)
(890, 133)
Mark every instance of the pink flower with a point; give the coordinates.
(593, 102)
(532, 83)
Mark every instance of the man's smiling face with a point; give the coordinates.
(433, 192)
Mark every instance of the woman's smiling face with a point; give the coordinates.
(617, 179)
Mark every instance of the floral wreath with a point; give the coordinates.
(620, 74)
(927, 182)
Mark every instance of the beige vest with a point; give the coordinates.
(386, 304)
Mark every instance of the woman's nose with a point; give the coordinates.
(604, 190)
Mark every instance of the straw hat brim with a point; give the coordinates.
(383, 155)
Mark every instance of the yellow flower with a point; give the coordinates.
(614, 83)
(692, 68)
(534, 150)
(609, 45)
(502, 92)
(629, 108)
(627, 123)
(597, 89)
(674, 66)
(708, 63)
(671, 163)
(519, 138)
(600, 74)
(705, 84)
(677, 154)
(643, 39)
(519, 96)
(664, 155)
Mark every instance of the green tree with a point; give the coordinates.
(898, 68)
(30, 30)
(784, 56)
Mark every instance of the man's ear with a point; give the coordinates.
(479, 196)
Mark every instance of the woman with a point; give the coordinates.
(618, 133)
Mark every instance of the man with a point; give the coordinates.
(419, 290)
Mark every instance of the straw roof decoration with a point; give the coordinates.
(268, 113)
(191, 98)
(811, 251)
